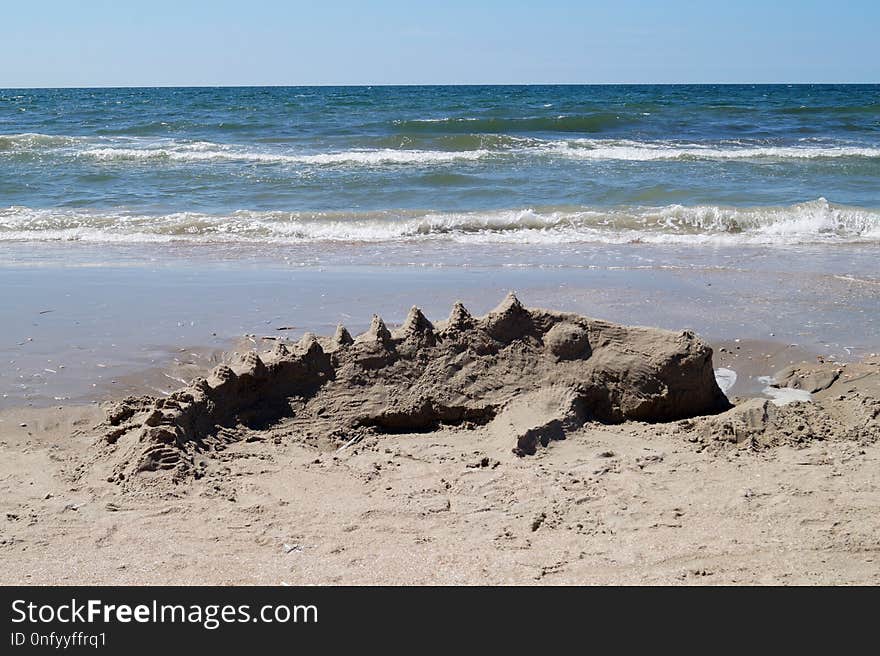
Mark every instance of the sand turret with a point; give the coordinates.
(416, 329)
(459, 318)
(341, 338)
(509, 320)
(377, 332)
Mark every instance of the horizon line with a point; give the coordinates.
(430, 84)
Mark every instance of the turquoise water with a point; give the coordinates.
(485, 166)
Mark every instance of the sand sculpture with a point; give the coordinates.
(534, 374)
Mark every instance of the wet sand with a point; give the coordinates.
(77, 331)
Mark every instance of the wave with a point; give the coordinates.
(31, 141)
(206, 152)
(454, 142)
(814, 222)
(420, 150)
(593, 149)
(595, 122)
(126, 148)
(824, 110)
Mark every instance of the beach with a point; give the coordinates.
(143, 250)
(759, 494)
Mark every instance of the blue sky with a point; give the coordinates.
(220, 42)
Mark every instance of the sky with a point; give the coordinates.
(54, 43)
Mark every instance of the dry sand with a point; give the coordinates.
(523, 447)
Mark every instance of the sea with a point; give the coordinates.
(172, 216)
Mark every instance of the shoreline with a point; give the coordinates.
(75, 326)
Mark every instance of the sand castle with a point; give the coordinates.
(534, 374)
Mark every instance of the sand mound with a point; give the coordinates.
(844, 405)
(537, 373)
(807, 378)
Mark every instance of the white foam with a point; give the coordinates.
(726, 378)
(783, 395)
(123, 148)
(367, 157)
(29, 141)
(814, 222)
(605, 149)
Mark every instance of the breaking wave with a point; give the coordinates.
(813, 222)
(399, 150)
(648, 151)
(202, 152)
(30, 141)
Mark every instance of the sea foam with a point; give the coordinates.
(599, 149)
(815, 222)
(468, 147)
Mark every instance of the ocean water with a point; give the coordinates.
(488, 167)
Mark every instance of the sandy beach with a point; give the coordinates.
(756, 494)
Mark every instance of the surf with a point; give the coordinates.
(813, 222)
